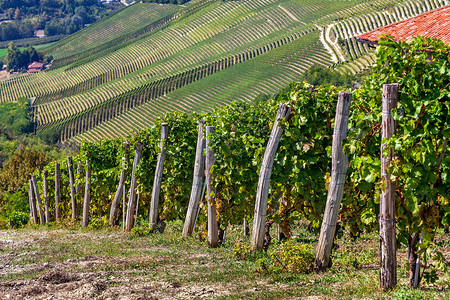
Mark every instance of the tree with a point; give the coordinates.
(31, 54)
(12, 58)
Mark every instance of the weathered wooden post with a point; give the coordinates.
(87, 195)
(57, 191)
(38, 199)
(213, 227)
(114, 212)
(46, 199)
(265, 173)
(79, 171)
(32, 202)
(245, 228)
(197, 182)
(132, 196)
(137, 209)
(153, 215)
(123, 207)
(72, 188)
(201, 199)
(339, 167)
(388, 247)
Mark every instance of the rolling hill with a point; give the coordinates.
(119, 73)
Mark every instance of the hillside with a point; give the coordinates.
(119, 73)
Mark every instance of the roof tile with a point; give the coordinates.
(434, 24)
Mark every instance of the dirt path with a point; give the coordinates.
(334, 44)
(4, 75)
(326, 45)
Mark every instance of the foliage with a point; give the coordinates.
(15, 118)
(19, 219)
(17, 170)
(55, 17)
(16, 60)
(318, 75)
(98, 223)
(421, 166)
(141, 230)
(179, 2)
(242, 251)
(291, 257)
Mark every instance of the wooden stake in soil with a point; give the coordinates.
(213, 227)
(339, 167)
(265, 173)
(388, 248)
(79, 170)
(46, 199)
(32, 202)
(153, 215)
(123, 207)
(132, 196)
(72, 188)
(38, 199)
(114, 212)
(197, 183)
(245, 228)
(137, 209)
(57, 191)
(87, 196)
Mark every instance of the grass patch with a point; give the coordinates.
(166, 265)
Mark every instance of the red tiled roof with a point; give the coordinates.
(434, 24)
(36, 65)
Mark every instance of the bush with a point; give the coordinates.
(18, 219)
(292, 258)
(242, 251)
(98, 223)
(141, 230)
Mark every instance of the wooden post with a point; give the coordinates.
(72, 188)
(123, 207)
(245, 228)
(57, 191)
(153, 215)
(87, 196)
(32, 202)
(46, 199)
(388, 256)
(114, 212)
(197, 183)
(339, 167)
(38, 199)
(262, 192)
(132, 197)
(213, 227)
(198, 206)
(137, 209)
(79, 170)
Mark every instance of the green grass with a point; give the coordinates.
(3, 52)
(187, 268)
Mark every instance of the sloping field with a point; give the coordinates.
(119, 73)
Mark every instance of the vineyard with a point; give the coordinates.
(150, 58)
(268, 163)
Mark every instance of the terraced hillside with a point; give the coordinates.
(119, 73)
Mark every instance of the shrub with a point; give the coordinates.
(98, 223)
(292, 257)
(18, 219)
(141, 230)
